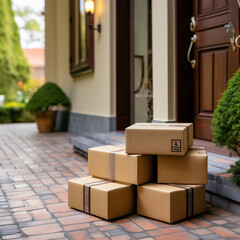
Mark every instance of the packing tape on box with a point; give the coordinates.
(189, 198)
(161, 125)
(112, 157)
(86, 194)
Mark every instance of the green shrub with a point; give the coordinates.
(235, 170)
(14, 105)
(226, 122)
(4, 115)
(15, 110)
(226, 117)
(47, 96)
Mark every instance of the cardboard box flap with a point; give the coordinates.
(155, 126)
(162, 187)
(84, 180)
(111, 186)
(109, 148)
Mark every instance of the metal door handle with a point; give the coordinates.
(236, 41)
(193, 40)
(142, 77)
(238, 1)
(231, 32)
(192, 24)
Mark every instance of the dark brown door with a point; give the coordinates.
(216, 61)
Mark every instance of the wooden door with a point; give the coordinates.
(215, 60)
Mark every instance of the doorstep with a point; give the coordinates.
(220, 191)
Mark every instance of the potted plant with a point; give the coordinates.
(226, 123)
(44, 104)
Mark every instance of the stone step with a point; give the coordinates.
(83, 143)
(110, 138)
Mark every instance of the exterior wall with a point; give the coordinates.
(163, 60)
(92, 94)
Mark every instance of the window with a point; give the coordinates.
(81, 40)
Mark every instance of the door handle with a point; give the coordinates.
(193, 40)
(142, 77)
(231, 32)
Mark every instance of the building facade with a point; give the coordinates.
(142, 66)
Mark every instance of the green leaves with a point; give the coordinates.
(47, 96)
(226, 122)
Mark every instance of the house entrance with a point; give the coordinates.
(212, 60)
(141, 67)
(216, 56)
(134, 62)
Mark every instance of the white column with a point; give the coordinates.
(163, 31)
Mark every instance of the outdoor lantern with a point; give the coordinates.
(89, 9)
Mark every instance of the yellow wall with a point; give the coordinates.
(93, 93)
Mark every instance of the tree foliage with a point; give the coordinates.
(50, 94)
(13, 64)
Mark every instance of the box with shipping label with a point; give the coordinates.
(101, 198)
(170, 203)
(112, 163)
(188, 169)
(159, 138)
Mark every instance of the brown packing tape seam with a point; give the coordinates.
(112, 157)
(86, 194)
(189, 198)
(160, 125)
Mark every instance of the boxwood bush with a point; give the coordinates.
(226, 123)
(50, 94)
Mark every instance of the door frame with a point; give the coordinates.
(183, 71)
(123, 64)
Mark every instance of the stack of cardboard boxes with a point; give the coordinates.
(148, 176)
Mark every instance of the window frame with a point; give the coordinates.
(86, 66)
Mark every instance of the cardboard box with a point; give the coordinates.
(112, 163)
(101, 198)
(159, 138)
(170, 203)
(188, 169)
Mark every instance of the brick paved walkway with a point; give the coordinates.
(34, 170)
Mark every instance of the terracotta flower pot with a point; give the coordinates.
(45, 121)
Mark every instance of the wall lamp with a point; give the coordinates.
(89, 9)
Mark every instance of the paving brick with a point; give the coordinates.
(144, 223)
(76, 227)
(12, 236)
(83, 218)
(79, 235)
(22, 216)
(42, 229)
(129, 226)
(34, 201)
(178, 236)
(41, 214)
(58, 207)
(222, 231)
